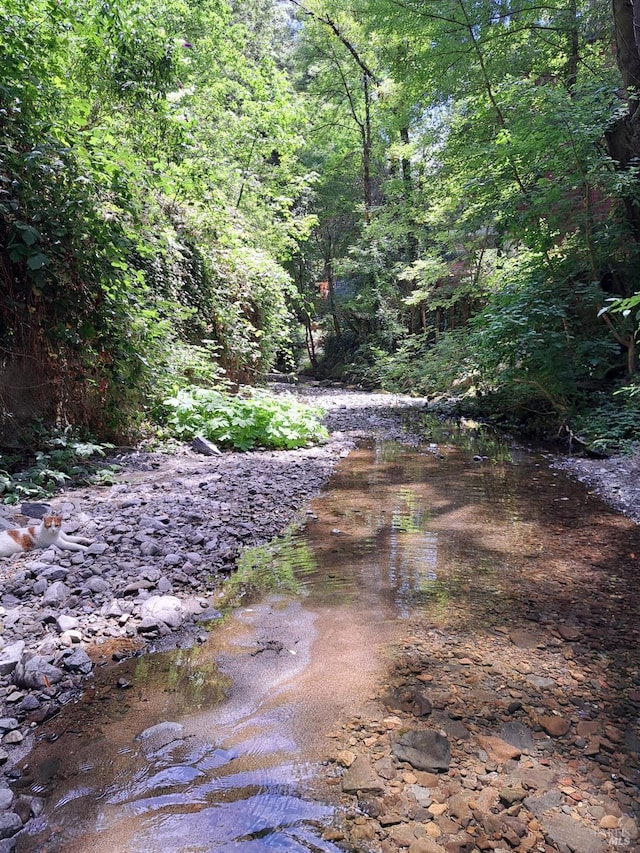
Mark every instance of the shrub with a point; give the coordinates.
(253, 418)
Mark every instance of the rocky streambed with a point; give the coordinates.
(526, 745)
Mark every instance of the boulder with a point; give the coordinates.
(163, 608)
(10, 656)
(36, 672)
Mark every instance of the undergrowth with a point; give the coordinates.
(60, 461)
(610, 424)
(253, 418)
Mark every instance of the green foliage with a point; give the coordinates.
(63, 460)
(530, 340)
(419, 366)
(253, 418)
(148, 180)
(609, 424)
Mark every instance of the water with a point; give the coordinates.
(226, 746)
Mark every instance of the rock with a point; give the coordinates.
(10, 823)
(161, 732)
(78, 661)
(424, 750)
(34, 510)
(165, 608)
(555, 726)
(97, 548)
(498, 749)
(361, 777)
(13, 737)
(526, 639)
(628, 828)
(36, 672)
(509, 796)
(10, 656)
(97, 584)
(422, 795)
(561, 829)
(425, 845)
(204, 446)
(56, 594)
(66, 623)
(517, 735)
(346, 757)
(6, 798)
(569, 633)
(544, 803)
(458, 806)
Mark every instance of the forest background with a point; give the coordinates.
(440, 197)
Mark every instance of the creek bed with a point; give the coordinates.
(232, 744)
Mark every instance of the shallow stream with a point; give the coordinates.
(227, 746)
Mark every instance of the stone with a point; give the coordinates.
(66, 623)
(33, 509)
(498, 749)
(555, 726)
(544, 803)
(36, 672)
(509, 796)
(161, 733)
(425, 845)
(10, 823)
(525, 639)
(6, 798)
(56, 594)
(561, 829)
(458, 806)
(569, 632)
(10, 656)
(361, 776)
(628, 828)
(13, 737)
(97, 584)
(422, 795)
(165, 608)
(424, 750)
(346, 757)
(518, 735)
(97, 548)
(78, 661)
(204, 446)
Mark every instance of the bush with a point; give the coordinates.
(609, 424)
(251, 419)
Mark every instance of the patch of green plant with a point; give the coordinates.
(611, 423)
(418, 366)
(62, 460)
(253, 418)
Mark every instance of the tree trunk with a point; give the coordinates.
(573, 54)
(331, 282)
(366, 147)
(623, 139)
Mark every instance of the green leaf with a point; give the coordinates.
(37, 261)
